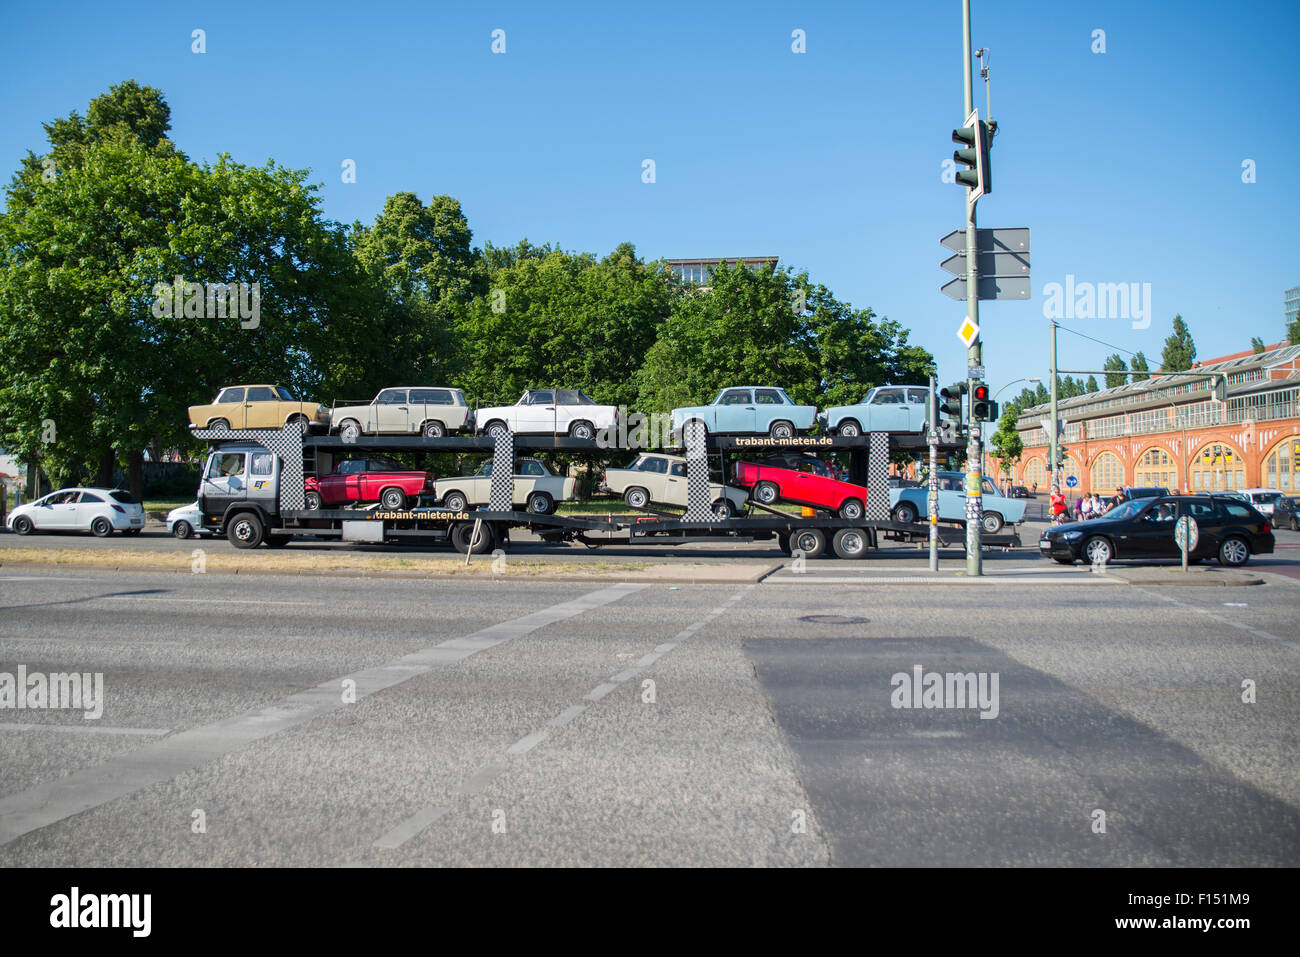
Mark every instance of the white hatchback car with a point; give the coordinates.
(98, 510)
(187, 521)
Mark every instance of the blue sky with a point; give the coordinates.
(1126, 165)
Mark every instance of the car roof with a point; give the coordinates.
(249, 385)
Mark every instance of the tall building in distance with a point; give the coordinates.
(698, 270)
(1291, 304)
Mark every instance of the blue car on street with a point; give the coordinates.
(908, 505)
(886, 408)
(750, 410)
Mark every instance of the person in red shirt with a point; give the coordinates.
(1058, 504)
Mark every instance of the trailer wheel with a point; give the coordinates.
(245, 530)
(810, 541)
(393, 499)
(765, 493)
(852, 509)
(850, 543)
(636, 497)
(462, 534)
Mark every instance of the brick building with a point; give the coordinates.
(1169, 430)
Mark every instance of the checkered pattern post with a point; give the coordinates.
(501, 497)
(878, 477)
(285, 443)
(698, 506)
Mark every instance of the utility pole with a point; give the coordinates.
(1052, 439)
(974, 352)
(932, 479)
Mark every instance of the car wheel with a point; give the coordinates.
(183, 529)
(539, 503)
(433, 430)
(495, 429)
(23, 525)
(277, 541)
(781, 430)
(636, 497)
(101, 527)
(312, 501)
(245, 530)
(1234, 552)
(852, 509)
(905, 512)
(1097, 551)
(810, 541)
(582, 430)
(393, 499)
(850, 543)
(991, 523)
(765, 493)
(462, 535)
(300, 422)
(724, 509)
(455, 501)
(219, 424)
(350, 430)
(850, 429)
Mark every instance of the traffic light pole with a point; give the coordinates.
(974, 354)
(1053, 439)
(932, 480)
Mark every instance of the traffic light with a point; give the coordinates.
(950, 401)
(975, 138)
(983, 409)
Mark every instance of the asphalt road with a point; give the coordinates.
(510, 723)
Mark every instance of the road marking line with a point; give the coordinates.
(213, 601)
(96, 642)
(85, 729)
(422, 819)
(955, 580)
(159, 761)
(1225, 621)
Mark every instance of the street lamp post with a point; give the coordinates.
(984, 447)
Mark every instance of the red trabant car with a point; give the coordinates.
(803, 480)
(368, 480)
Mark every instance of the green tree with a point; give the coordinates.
(1091, 385)
(1257, 344)
(1006, 444)
(1293, 331)
(1116, 364)
(1139, 368)
(1180, 351)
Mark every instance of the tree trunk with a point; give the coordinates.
(135, 474)
(104, 478)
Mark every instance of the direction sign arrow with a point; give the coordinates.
(1002, 239)
(990, 264)
(991, 287)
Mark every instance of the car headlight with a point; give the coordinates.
(1072, 536)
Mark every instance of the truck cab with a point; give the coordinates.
(239, 474)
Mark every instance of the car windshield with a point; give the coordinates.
(283, 393)
(1125, 510)
(485, 468)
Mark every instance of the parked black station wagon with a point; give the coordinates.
(1228, 528)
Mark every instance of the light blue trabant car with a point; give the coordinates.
(886, 408)
(750, 410)
(907, 505)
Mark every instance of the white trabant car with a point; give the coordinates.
(549, 412)
(186, 522)
(408, 410)
(536, 488)
(660, 479)
(100, 511)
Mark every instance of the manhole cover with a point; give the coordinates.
(834, 620)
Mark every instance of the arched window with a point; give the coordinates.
(1157, 467)
(1035, 475)
(1107, 473)
(1282, 465)
(1217, 467)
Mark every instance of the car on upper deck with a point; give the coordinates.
(749, 410)
(568, 412)
(431, 411)
(886, 408)
(259, 407)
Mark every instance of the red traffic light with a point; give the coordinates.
(981, 391)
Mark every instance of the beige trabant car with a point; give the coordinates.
(406, 410)
(258, 407)
(661, 479)
(536, 488)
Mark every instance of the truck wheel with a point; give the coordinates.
(245, 530)
(540, 503)
(765, 493)
(850, 543)
(810, 541)
(433, 430)
(462, 534)
(850, 429)
(852, 509)
(455, 501)
(991, 522)
(312, 501)
(636, 497)
(101, 528)
(781, 430)
(219, 424)
(277, 541)
(350, 430)
(23, 525)
(393, 499)
(905, 512)
(582, 430)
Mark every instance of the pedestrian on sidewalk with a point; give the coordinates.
(1057, 505)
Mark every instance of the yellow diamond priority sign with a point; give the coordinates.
(968, 331)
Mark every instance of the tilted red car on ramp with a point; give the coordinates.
(368, 480)
(803, 480)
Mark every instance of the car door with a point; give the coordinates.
(391, 412)
(675, 485)
(1150, 534)
(230, 406)
(432, 405)
(58, 512)
(769, 407)
(889, 411)
(1210, 520)
(735, 411)
(262, 408)
(527, 474)
(918, 409)
(224, 481)
(952, 498)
